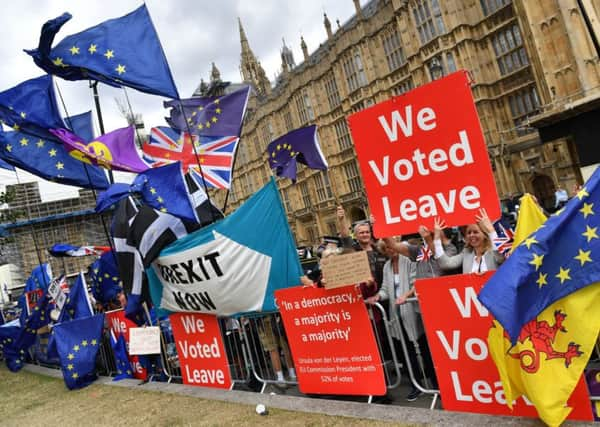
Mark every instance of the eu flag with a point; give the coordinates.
(300, 145)
(119, 348)
(50, 160)
(78, 303)
(104, 274)
(31, 106)
(553, 262)
(77, 343)
(165, 190)
(209, 115)
(123, 51)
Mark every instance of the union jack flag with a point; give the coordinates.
(504, 240)
(208, 156)
(424, 253)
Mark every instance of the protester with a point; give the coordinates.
(273, 340)
(561, 197)
(479, 254)
(399, 274)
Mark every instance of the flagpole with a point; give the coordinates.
(94, 87)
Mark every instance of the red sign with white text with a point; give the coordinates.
(120, 325)
(200, 349)
(332, 341)
(422, 155)
(457, 326)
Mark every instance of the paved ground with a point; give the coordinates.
(290, 399)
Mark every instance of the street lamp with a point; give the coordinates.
(435, 69)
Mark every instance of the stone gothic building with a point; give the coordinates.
(535, 73)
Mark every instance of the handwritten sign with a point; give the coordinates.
(343, 270)
(144, 340)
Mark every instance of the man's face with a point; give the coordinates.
(363, 234)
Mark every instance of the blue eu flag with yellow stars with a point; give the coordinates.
(300, 145)
(121, 360)
(123, 51)
(559, 258)
(78, 303)
(31, 107)
(50, 160)
(104, 275)
(77, 343)
(209, 115)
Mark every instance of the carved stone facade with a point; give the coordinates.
(526, 60)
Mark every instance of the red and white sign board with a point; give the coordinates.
(332, 341)
(457, 326)
(422, 155)
(200, 349)
(121, 325)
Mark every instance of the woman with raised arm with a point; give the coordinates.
(479, 254)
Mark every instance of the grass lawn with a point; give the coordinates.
(28, 399)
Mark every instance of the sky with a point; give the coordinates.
(194, 33)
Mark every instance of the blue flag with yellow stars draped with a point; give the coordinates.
(553, 262)
(78, 303)
(77, 343)
(50, 160)
(123, 51)
(300, 145)
(31, 107)
(119, 348)
(104, 275)
(209, 115)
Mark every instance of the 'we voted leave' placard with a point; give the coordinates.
(423, 155)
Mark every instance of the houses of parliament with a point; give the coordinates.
(535, 74)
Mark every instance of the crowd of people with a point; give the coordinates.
(397, 262)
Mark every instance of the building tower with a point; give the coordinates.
(252, 72)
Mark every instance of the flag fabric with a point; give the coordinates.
(546, 383)
(104, 275)
(530, 217)
(164, 189)
(77, 343)
(7, 166)
(81, 125)
(213, 155)
(40, 278)
(50, 160)
(210, 115)
(223, 268)
(115, 150)
(424, 253)
(9, 333)
(503, 241)
(77, 305)
(119, 348)
(206, 211)
(64, 249)
(31, 107)
(123, 51)
(300, 145)
(550, 264)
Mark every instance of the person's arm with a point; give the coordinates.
(445, 262)
(342, 221)
(486, 224)
(400, 247)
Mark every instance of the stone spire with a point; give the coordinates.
(215, 74)
(327, 26)
(287, 58)
(304, 48)
(252, 71)
(359, 14)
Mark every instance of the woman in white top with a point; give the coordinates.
(479, 254)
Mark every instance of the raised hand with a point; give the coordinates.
(438, 227)
(484, 221)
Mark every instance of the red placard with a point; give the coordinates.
(120, 325)
(457, 326)
(200, 349)
(332, 341)
(422, 155)
(32, 298)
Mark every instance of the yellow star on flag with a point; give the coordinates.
(60, 166)
(159, 199)
(214, 120)
(217, 101)
(587, 209)
(40, 143)
(152, 190)
(163, 210)
(58, 62)
(76, 347)
(109, 54)
(92, 49)
(208, 124)
(52, 152)
(563, 275)
(120, 69)
(70, 367)
(200, 126)
(582, 193)
(94, 342)
(541, 281)
(590, 233)
(584, 256)
(84, 343)
(70, 356)
(23, 114)
(74, 50)
(537, 261)
(530, 241)
(75, 375)
(218, 110)
(9, 148)
(16, 127)
(24, 142)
